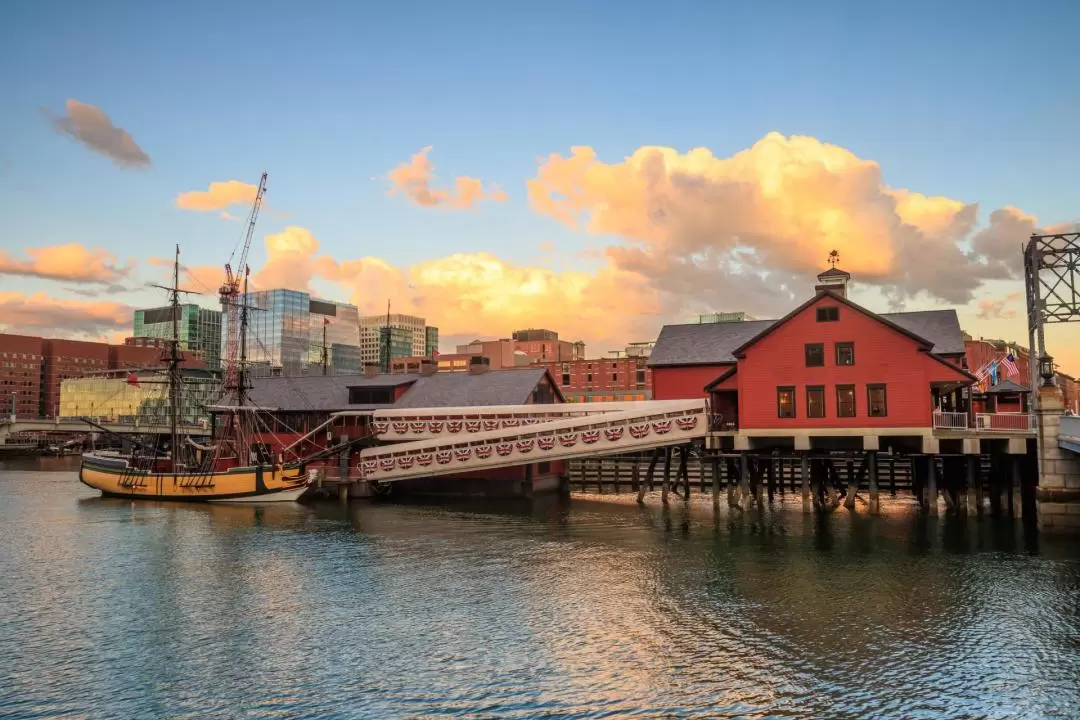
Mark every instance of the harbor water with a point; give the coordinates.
(558, 609)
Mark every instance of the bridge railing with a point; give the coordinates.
(950, 421)
(1005, 422)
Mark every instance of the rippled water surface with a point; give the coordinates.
(579, 610)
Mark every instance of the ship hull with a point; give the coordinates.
(112, 477)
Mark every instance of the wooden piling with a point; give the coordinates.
(343, 492)
(715, 466)
(683, 476)
(744, 480)
(729, 463)
(875, 494)
(771, 478)
(666, 487)
(651, 472)
(804, 469)
(892, 476)
(930, 497)
(974, 487)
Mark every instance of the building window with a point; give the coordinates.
(876, 402)
(614, 377)
(566, 378)
(785, 402)
(845, 401)
(815, 355)
(815, 401)
(828, 314)
(845, 353)
(588, 378)
(640, 376)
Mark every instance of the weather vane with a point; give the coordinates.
(834, 257)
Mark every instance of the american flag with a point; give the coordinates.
(1009, 363)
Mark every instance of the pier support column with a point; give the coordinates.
(715, 467)
(871, 471)
(744, 480)
(804, 479)
(343, 493)
(732, 500)
(930, 498)
(974, 485)
(665, 488)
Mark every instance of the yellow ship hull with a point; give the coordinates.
(262, 483)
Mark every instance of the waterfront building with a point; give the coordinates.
(198, 329)
(603, 380)
(539, 345)
(138, 396)
(830, 364)
(421, 342)
(21, 363)
(286, 330)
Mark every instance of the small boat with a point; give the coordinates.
(231, 467)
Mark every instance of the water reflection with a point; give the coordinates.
(579, 609)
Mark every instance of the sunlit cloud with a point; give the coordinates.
(414, 180)
(93, 128)
(71, 262)
(999, 308)
(774, 211)
(218, 196)
(40, 313)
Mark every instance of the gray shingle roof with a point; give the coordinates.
(494, 387)
(1008, 386)
(705, 343)
(331, 393)
(712, 343)
(317, 392)
(941, 327)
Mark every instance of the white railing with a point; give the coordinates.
(950, 421)
(1005, 422)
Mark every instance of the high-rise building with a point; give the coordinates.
(398, 345)
(198, 329)
(21, 375)
(421, 341)
(286, 330)
(431, 341)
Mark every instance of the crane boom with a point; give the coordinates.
(230, 290)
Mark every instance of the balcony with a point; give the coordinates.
(985, 422)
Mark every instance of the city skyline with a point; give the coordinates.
(547, 194)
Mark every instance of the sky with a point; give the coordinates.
(595, 168)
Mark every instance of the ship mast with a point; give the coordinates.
(174, 367)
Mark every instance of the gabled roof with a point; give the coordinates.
(1007, 386)
(723, 376)
(713, 343)
(493, 387)
(941, 327)
(326, 393)
(927, 345)
(834, 272)
(703, 344)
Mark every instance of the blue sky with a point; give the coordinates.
(973, 101)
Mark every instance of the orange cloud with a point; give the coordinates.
(999, 308)
(93, 128)
(71, 262)
(289, 258)
(218, 196)
(413, 179)
(774, 210)
(37, 312)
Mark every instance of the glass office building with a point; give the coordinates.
(286, 334)
(431, 341)
(198, 329)
(139, 398)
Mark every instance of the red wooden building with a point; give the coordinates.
(830, 367)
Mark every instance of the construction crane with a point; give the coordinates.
(230, 291)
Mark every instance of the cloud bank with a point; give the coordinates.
(93, 128)
(218, 196)
(40, 313)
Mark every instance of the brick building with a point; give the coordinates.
(603, 380)
(20, 375)
(34, 368)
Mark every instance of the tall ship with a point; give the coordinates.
(231, 466)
